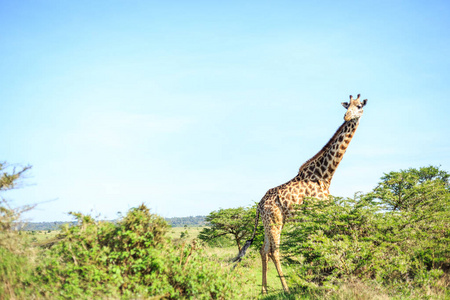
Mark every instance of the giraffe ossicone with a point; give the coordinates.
(313, 180)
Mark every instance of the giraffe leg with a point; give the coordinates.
(274, 253)
(264, 260)
(275, 256)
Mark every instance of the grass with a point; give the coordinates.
(39, 236)
(250, 268)
(191, 233)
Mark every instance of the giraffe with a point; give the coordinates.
(313, 180)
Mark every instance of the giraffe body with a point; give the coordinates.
(313, 180)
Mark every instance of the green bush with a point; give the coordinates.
(129, 259)
(340, 240)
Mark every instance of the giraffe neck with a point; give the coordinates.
(321, 167)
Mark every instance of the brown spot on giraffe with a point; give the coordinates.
(317, 172)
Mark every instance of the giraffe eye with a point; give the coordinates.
(359, 106)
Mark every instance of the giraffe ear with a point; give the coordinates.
(364, 102)
(345, 105)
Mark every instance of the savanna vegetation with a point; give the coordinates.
(130, 258)
(236, 223)
(391, 243)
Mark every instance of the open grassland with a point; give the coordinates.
(38, 237)
(186, 233)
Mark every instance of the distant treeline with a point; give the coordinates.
(190, 221)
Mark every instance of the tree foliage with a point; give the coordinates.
(190, 221)
(234, 222)
(10, 176)
(411, 189)
(404, 247)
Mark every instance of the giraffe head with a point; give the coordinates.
(354, 108)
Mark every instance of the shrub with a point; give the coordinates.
(339, 240)
(128, 259)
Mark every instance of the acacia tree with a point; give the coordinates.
(9, 179)
(235, 222)
(412, 188)
(10, 176)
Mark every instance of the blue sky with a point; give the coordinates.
(192, 106)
